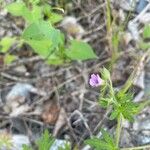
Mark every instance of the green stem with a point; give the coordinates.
(111, 89)
(108, 16)
(112, 93)
(137, 148)
(118, 130)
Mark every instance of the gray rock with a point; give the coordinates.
(141, 129)
(142, 139)
(20, 89)
(133, 28)
(58, 143)
(128, 5)
(145, 19)
(126, 139)
(141, 5)
(18, 141)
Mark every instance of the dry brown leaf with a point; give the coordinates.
(50, 113)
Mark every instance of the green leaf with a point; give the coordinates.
(146, 32)
(107, 137)
(105, 74)
(55, 18)
(54, 60)
(41, 47)
(98, 144)
(43, 38)
(52, 17)
(42, 30)
(17, 8)
(126, 107)
(8, 59)
(45, 142)
(34, 15)
(6, 43)
(20, 9)
(104, 102)
(46, 8)
(37, 31)
(105, 143)
(114, 115)
(80, 51)
(26, 147)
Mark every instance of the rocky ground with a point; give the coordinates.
(35, 96)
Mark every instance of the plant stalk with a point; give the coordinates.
(118, 130)
(137, 148)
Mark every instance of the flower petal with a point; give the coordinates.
(95, 80)
(92, 83)
(93, 76)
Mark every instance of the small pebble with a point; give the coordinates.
(59, 143)
(133, 28)
(20, 89)
(128, 5)
(145, 19)
(18, 141)
(141, 5)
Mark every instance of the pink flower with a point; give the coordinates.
(95, 80)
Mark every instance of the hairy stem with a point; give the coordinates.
(137, 148)
(108, 16)
(118, 130)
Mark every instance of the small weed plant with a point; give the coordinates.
(41, 35)
(122, 107)
(46, 142)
